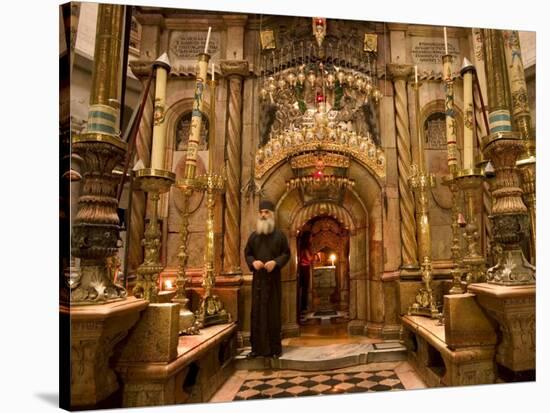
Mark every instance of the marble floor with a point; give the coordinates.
(263, 384)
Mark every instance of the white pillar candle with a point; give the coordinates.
(207, 40)
(213, 76)
(468, 119)
(159, 127)
(445, 35)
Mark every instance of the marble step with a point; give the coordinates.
(330, 357)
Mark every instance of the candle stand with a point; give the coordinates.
(470, 181)
(154, 182)
(211, 309)
(421, 183)
(456, 249)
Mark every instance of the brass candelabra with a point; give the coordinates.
(187, 321)
(154, 182)
(421, 183)
(211, 309)
(470, 181)
(456, 249)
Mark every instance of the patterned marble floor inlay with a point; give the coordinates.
(315, 384)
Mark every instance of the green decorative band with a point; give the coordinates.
(98, 127)
(503, 128)
(103, 115)
(499, 121)
(102, 118)
(494, 117)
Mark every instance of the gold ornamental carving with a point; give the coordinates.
(320, 139)
(311, 160)
(510, 220)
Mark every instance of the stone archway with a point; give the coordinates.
(361, 209)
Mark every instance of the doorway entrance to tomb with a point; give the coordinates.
(322, 299)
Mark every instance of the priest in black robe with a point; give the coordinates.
(266, 253)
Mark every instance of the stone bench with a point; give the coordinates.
(460, 352)
(158, 367)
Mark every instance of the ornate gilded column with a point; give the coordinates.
(96, 225)
(142, 69)
(234, 70)
(522, 124)
(96, 329)
(502, 146)
(400, 73)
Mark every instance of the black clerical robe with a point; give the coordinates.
(265, 329)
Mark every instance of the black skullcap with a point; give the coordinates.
(266, 204)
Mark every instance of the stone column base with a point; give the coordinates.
(95, 331)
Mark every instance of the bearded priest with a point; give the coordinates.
(266, 253)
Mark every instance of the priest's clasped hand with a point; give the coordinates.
(270, 265)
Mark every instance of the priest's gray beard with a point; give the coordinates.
(265, 225)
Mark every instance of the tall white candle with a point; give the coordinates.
(208, 40)
(159, 127)
(415, 74)
(468, 117)
(444, 35)
(213, 76)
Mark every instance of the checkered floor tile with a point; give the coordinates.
(315, 384)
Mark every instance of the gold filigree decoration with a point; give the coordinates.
(310, 160)
(320, 139)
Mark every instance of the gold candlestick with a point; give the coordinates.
(154, 182)
(211, 309)
(421, 183)
(456, 249)
(470, 181)
(187, 185)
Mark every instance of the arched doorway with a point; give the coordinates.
(323, 272)
(361, 211)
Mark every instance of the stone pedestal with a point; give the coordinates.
(513, 308)
(465, 323)
(95, 330)
(155, 337)
(438, 364)
(202, 364)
